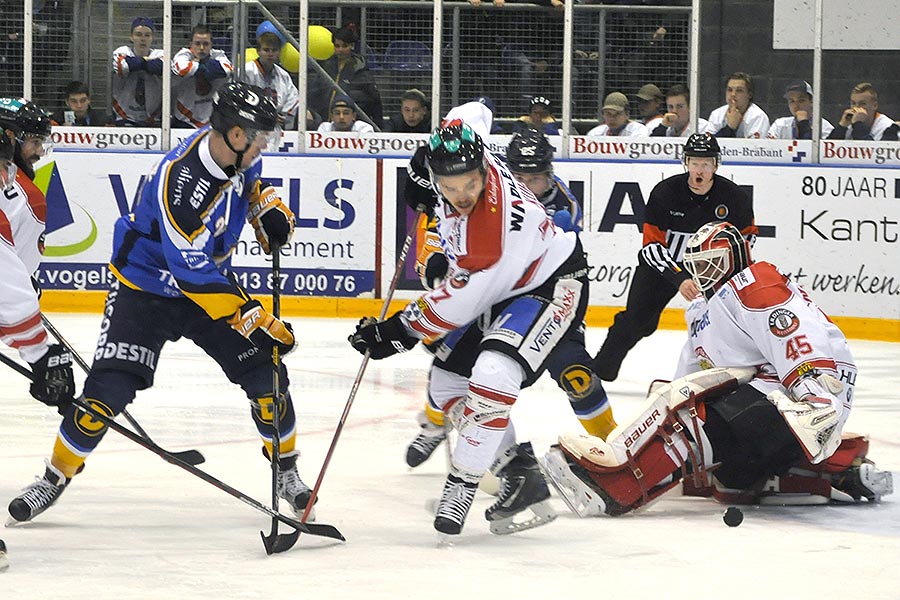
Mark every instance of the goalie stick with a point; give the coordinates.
(192, 457)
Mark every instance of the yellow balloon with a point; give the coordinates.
(250, 54)
(320, 44)
(290, 58)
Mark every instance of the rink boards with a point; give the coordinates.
(833, 229)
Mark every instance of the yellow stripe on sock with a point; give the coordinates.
(600, 425)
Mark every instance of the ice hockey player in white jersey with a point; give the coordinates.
(24, 139)
(508, 265)
(763, 388)
(199, 70)
(137, 78)
(266, 73)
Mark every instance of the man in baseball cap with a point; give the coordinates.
(650, 101)
(798, 126)
(343, 117)
(615, 119)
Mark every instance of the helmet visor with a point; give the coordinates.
(264, 139)
(8, 172)
(34, 145)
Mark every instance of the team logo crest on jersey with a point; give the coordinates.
(703, 358)
(783, 322)
(721, 212)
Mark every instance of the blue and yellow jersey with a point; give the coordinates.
(560, 198)
(178, 240)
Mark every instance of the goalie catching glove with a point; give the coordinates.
(54, 382)
(252, 319)
(272, 221)
(383, 339)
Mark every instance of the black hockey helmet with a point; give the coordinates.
(453, 149)
(702, 145)
(7, 171)
(24, 118)
(715, 254)
(529, 151)
(244, 105)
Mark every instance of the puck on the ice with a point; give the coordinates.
(733, 516)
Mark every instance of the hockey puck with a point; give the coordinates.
(733, 516)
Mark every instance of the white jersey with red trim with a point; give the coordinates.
(23, 212)
(136, 97)
(505, 247)
(762, 319)
(194, 91)
(279, 88)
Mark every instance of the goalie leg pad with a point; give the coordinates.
(642, 459)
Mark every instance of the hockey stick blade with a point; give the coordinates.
(279, 542)
(191, 457)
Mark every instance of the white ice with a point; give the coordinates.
(133, 526)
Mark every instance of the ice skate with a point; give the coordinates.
(38, 496)
(522, 487)
(454, 505)
(865, 481)
(292, 489)
(421, 448)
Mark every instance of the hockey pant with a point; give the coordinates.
(478, 379)
(136, 325)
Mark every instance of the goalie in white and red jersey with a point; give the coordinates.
(523, 280)
(764, 386)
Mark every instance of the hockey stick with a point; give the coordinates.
(193, 457)
(319, 529)
(274, 542)
(362, 367)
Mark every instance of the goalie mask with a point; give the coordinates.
(715, 254)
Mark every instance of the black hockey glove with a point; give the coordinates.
(54, 382)
(383, 339)
(418, 190)
(436, 267)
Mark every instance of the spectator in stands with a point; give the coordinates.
(650, 101)
(348, 70)
(539, 117)
(265, 72)
(343, 117)
(677, 120)
(799, 125)
(78, 109)
(137, 78)
(615, 119)
(862, 121)
(199, 70)
(739, 117)
(413, 117)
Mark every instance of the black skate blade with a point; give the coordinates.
(279, 542)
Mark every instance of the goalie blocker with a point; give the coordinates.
(711, 429)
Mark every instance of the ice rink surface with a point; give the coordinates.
(133, 526)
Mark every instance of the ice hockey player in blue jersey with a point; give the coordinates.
(171, 261)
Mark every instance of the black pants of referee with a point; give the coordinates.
(649, 294)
